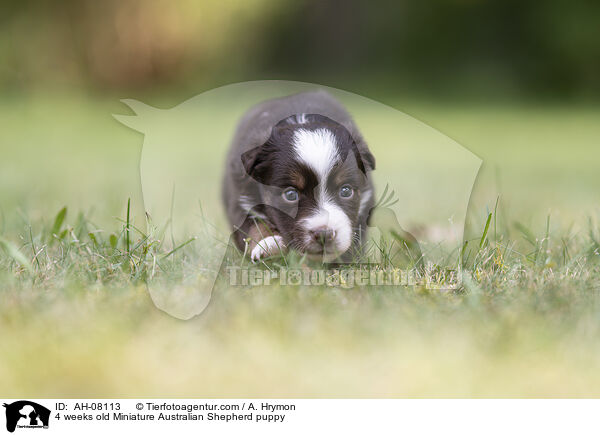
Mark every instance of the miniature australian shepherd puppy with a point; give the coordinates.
(298, 177)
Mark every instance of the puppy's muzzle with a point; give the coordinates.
(322, 235)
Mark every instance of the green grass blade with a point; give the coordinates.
(113, 240)
(172, 251)
(485, 230)
(58, 222)
(127, 242)
(527, 234)
(13, 252)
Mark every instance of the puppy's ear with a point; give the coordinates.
(249, 159)
(255, 163)
(366, 160)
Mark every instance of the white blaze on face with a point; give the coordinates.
(317, 149)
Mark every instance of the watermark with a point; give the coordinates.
(365, 184)
(347, 278)
(25, 414)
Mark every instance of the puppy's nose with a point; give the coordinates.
(322, 235)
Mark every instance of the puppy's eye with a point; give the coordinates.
(290, 194)
(346, 191)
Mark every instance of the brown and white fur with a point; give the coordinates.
(298, 177)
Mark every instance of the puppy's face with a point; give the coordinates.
(313, 183)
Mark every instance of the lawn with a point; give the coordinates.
(77, 320)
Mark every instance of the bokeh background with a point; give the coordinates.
(456, 48)
(516, 82)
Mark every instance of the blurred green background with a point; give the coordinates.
(454, 48)
(516, 82)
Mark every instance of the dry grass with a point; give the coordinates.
(76, 319)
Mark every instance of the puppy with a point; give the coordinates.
(298, 177)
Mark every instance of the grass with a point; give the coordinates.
(77, 320)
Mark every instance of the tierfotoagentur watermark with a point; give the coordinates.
(430, 278)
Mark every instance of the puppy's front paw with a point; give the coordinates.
(267, 247)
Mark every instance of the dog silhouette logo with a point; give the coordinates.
(422, 184)
(26, 414)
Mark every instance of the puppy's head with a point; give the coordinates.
(313, 183)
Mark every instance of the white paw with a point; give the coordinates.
(266, 247)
